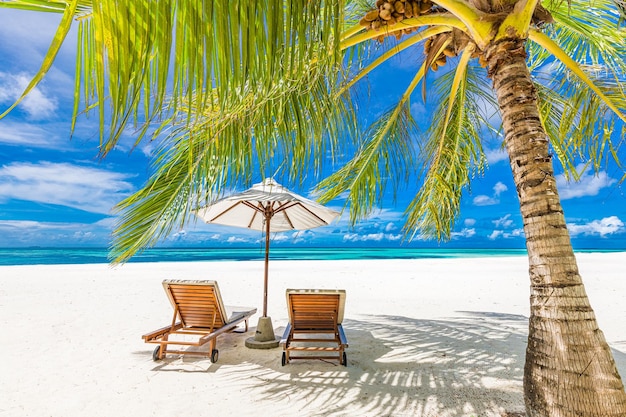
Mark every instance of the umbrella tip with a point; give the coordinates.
(270, 182)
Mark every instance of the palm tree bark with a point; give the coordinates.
(569, 369)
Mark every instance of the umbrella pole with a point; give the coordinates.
(264, 338)
(267, 258)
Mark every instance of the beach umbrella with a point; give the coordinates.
(268, 207)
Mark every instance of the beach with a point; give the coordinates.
(427, 337)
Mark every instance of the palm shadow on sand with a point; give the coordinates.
(466, 365)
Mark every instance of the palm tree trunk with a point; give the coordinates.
(569, 368)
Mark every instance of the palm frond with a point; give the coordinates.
(407, 43)
(579, 71)
(294, 126)
(452, 153)
(82, 7)
(386, 150)
(136, 54)
(165, 202)
(59, 37)
(612, 97)
(585, 34)
(579, 124)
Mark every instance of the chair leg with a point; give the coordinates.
(163, 346)
(213, 352)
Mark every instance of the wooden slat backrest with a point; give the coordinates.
(314, 311)
(198, 303)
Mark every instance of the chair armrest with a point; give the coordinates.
(286, 333)
(161, 332)
(342, 335)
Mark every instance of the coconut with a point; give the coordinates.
(449, 52)
(385, 14)
(371, 15)
(425, 6)
(427, 44)
(408, 10)
(482, 60)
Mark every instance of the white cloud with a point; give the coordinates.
(484, 200)
(371, 237)
(506, 235)
(282, 237)
(84, 188)
(418, 110)
(499, 188)
(107, 222)
(29, 225)
(469, 222)
(33, 136)
(236, 239)
(178, 235)
(495, 234)
(606, 226)
(27, 232)
(390, 227)
(36, 104)
(80, 235)
(503, 222)
(590, 184)
(496, 155)
(464, 233)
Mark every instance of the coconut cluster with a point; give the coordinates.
(437, 48)
(430, 47)
(390, 12)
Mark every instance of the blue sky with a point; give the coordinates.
(54, 191)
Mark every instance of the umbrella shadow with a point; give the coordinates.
(466, 365)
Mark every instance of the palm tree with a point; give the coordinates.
(270, 82)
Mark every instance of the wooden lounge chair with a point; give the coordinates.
(315, 318)
(199, 318)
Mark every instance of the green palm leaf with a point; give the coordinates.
(386, 150)
(203, 155)
(452, 153)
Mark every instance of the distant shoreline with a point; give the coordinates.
(79, 256)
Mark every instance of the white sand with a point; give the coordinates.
(439, 337)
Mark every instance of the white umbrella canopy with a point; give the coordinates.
(268, 200)
(269, 207)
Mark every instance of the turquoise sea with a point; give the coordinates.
(49, 256)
